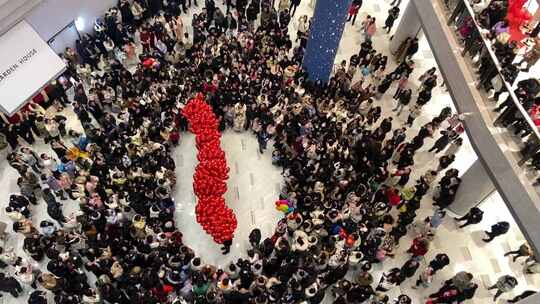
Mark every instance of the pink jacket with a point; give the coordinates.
(371, 29)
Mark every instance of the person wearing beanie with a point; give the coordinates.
(226, 247)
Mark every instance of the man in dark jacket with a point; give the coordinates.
(440, 261)
(497, 229)
(530, 86)
(412, 49)
(10, 284)
(154, 6)
(38, 297)
(294, 5)
(54, 209)
(210, 6)
(474, 216)
(393, 14)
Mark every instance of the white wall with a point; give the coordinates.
(475, 187)
(12, 11)
(52, 15)
(27, 64)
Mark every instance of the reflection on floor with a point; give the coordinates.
(253, 187)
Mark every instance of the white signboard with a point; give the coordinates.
(27, 64)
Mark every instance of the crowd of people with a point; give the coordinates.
(346, 168)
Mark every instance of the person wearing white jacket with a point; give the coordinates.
(8, 256)
(300, 241)
(26, 272)
(479, 5)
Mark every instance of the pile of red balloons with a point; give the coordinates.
(211, 174)
(517, 16)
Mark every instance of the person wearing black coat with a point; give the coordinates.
(393, 14)
(228, 4)
(236, 297)
(358, 294)
(24, 131)
(284, 19)
(474, 216)
(37, 297)
(10, 285)
(57, 92)
(230, 22)
(317, 297)
(154, 6)
(255, 237)
(412, 49)
(424, 97)
(252, 13)
(530, 86)
(241, 8)
(404, 98)
(210, 6)
(444, 140)
(294, 5)
(125, 12)
(54, 209)
(384, 86)
(55, 212)
(497, 229)
(386, 126)
(440, 261)
(32, 245)
(194, 3)
(408, 269)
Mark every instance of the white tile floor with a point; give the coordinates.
(253, 189)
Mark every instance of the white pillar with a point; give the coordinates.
(409, 26)
(476, 185)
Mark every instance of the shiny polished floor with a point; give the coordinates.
(253, 187)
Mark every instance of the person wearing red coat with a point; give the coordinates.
(147, 39)
(419, 247)
(353, 10)
(392, 194)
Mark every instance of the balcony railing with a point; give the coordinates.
(477, 43)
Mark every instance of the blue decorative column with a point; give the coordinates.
(327, 27)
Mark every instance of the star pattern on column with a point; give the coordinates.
(326, 30)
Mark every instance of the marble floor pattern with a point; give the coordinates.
(253, 187)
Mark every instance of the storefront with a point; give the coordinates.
(27, 65)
